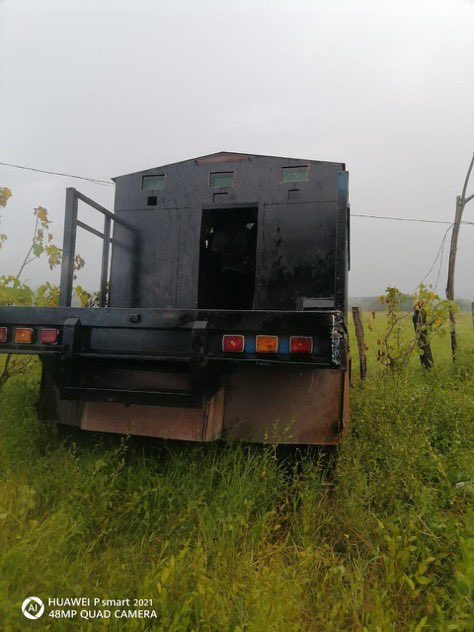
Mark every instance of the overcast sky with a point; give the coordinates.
(102, 88)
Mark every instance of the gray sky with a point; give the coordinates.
(101, 88)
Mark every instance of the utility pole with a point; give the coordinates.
(461, 201)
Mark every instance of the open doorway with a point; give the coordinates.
(227, 258)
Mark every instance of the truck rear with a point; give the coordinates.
(223, 306)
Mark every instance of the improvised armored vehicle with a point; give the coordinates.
(223, 306)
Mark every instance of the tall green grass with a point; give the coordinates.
(235, 537)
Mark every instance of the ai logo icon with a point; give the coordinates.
(32, 607)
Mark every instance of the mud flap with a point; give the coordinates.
(286, 405)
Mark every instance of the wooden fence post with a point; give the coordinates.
(359, 331)
(419, 321)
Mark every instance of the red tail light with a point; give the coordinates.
(233, 343)
(49, 336)
(3, 334)
(301, 344)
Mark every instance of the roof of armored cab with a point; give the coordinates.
(221, 157)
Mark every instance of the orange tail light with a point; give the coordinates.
(267, 344)
(24, 335)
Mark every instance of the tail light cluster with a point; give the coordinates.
(234, 343)
(28, 336)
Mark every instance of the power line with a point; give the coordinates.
(56, 173)
(440, 266)
(439, 255)
(407, 219)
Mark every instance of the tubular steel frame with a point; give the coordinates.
(71, 223)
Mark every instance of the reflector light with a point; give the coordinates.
(49, 336)
(24, 335)
(3, 334)
(232, 343)
(301, 344)
(267, 344)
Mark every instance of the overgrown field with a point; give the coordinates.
(230, 537)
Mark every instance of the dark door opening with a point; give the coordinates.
(227, 258)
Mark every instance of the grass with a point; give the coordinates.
(235, 537)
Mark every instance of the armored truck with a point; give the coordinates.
(223, 298)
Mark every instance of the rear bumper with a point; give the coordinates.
(95, 341)
(163, 372)
(178, 335)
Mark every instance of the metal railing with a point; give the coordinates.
(71, 223)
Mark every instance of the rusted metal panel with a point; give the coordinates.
(187, 424)
(284, 405)
(346, 406)
(214, 416)
(148, 421)
(259, 404)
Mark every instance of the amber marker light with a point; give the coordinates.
(3, 334)
(267, 344)
(24, 335)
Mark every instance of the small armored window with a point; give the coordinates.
(295, 174)
(152, 200)
(220, 179)
(153, 183)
